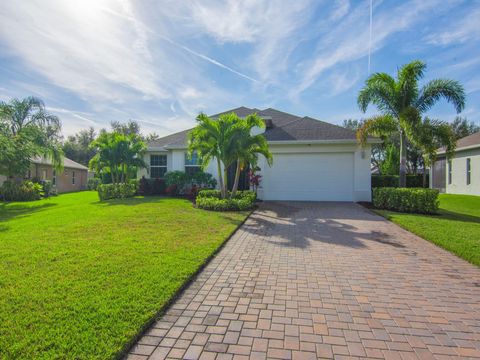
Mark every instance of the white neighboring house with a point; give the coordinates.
(312, 160)
(460, 174)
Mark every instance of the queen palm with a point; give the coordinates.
(402, 104)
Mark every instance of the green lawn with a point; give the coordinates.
(79, 278)
(456, 228)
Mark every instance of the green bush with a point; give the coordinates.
(183, 182)
(215, 204)
(48, 188)
(414, 200)
(116, 191)
(413, 181)
(24, 191)
(92, 183)
(210, 200)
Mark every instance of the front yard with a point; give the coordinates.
(80, 278)
(456, 228)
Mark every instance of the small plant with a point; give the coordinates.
(24, 191)
(254, 179)
(48, 189)
(116, 191)
(414, 200)
(211, 200)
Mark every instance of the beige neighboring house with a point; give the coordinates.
(460, 174)
(73, 177)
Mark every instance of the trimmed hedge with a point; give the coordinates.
(413, 181)
(116, 191)
(92, 183)
(414, 200)
(210, 200)
(24, 191)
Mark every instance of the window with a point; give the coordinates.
(158, 166)
(192, 163)
(469, 171)
(449, 172)
(44, 174)
(73, 177)
(54, 177)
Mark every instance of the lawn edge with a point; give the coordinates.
(388, 218)
(124, 352)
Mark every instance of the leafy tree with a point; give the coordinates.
(249, 146)
(117, 154)
(462, 127)
(27, 130)
(77, 147)
(402, 104)
(391, 161)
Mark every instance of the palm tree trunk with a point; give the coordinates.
(220, 179)
(225, 180)
(424, 177)
(237, 178)
(403, 160)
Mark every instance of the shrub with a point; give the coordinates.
(24, 191)
(215, 204)
(414, 200)
(184, 182)
(93, 183)
(210, 200)
(116, 191)
(48, 189)
(203, 180)
(413, 181)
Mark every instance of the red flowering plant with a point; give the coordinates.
(254, 178)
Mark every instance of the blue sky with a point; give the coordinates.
(162, 62)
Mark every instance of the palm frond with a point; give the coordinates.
(379, 90)
(450, 90)
(383, 125)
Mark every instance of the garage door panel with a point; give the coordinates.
(315, 177)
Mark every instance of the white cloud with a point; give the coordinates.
(340, 9)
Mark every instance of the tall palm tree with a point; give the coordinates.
(214, 139)
(402, 104)
(431, 134)
(249, 146)
(31, 132)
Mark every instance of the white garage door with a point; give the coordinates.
(309, 177)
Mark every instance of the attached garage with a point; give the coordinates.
(309, 177)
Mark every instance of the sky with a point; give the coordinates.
(162, 62)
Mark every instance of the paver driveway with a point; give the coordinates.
(308, 280)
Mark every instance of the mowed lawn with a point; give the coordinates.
(79, 278)
(456, 228)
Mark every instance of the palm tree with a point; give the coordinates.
(402, 104)
(430, 135)
(249, 147)
(31, 131)
(214, 139)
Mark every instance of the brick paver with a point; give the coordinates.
(323, 280)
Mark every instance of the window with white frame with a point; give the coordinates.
(469, 171)
(449, 172)
(192, 163)
(54, 177)
(73, 177)
(158, 166)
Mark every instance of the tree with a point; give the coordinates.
(249, 146)
(462, 127)
(27, 131)
(430, 135)
(402, 104)
(117, 154)
(77, 147)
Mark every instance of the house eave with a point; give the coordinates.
(441, 152)
(320, 142)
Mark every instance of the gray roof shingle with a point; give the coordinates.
(469, 141)
(67, 163)
(285, 127)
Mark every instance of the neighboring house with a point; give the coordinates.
(73, 177)
(312, 160)
(460, 174)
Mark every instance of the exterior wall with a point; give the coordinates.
(361, 164)
(63, 181)
(459, 174)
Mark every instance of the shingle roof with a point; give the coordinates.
(67, 163)
(285, 127)
(466, 142)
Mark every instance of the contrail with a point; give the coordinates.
(209, 59)
(370, 39)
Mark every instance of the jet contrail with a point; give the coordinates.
(370, 38)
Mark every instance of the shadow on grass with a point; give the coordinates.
(136, 200)
(455, 216)
(12, 211)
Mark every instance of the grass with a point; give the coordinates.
(80, 279)
(456, 228)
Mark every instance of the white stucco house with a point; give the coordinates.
(312, 160)
(460, 174)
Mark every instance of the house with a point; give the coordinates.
(460, 174)
(72, 178)
(312, 160)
